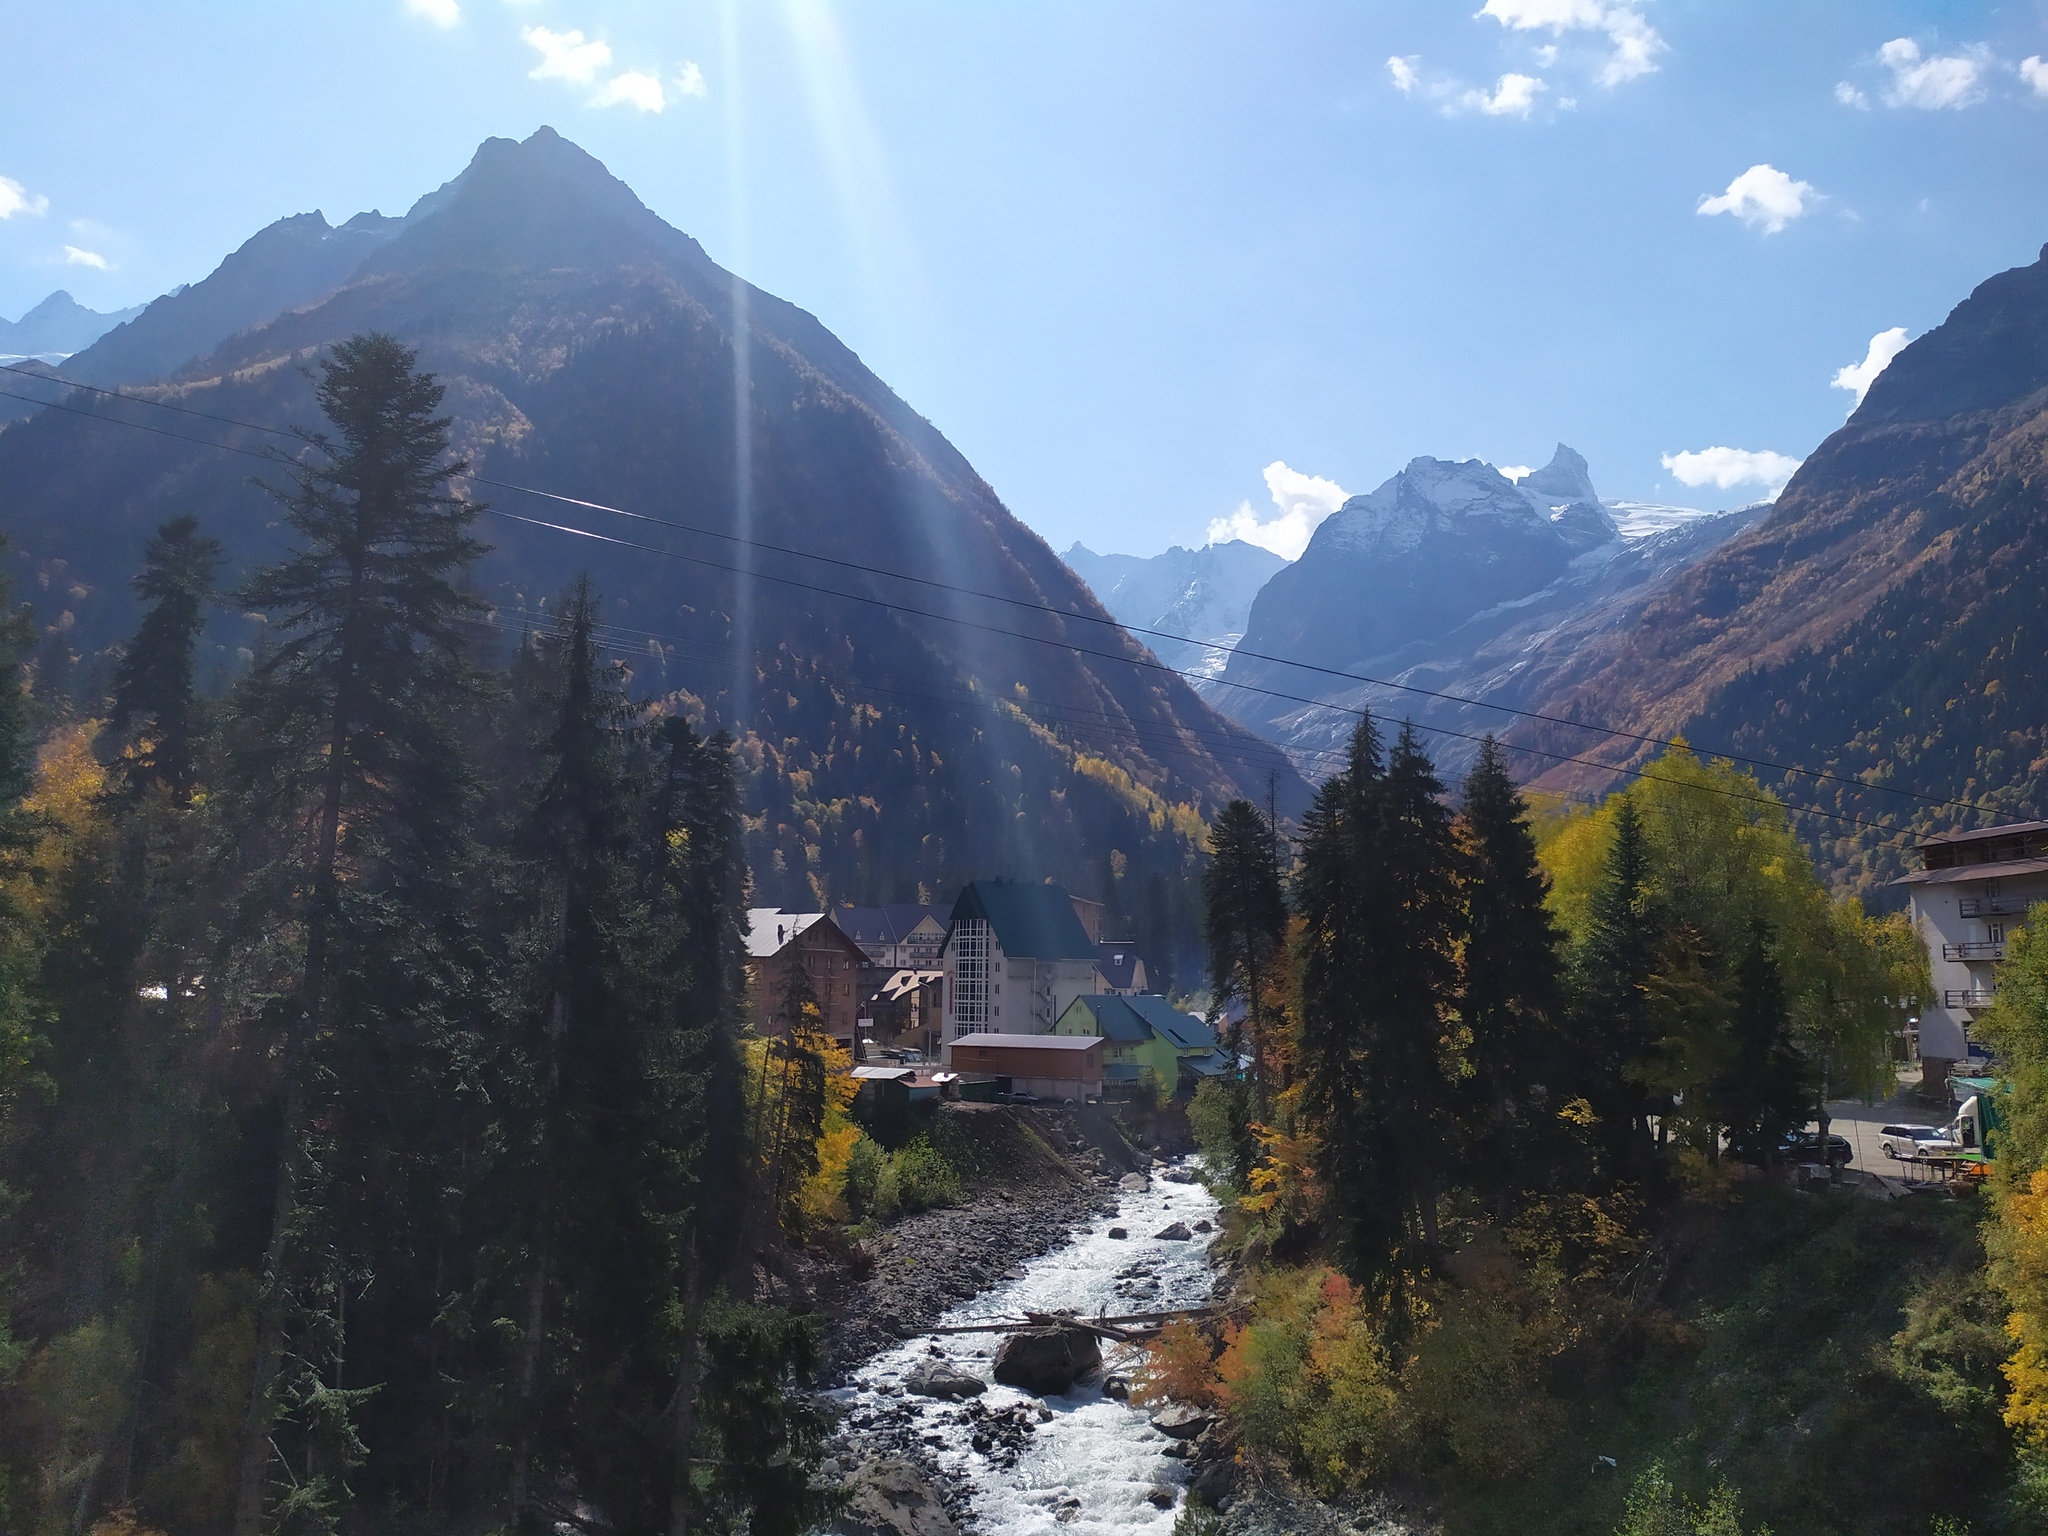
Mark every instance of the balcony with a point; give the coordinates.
(1974, 949)
(1968, 997)
(1992, 906)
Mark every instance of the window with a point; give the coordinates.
(971, 947)
(1998, 933)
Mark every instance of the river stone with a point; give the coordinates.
(1118, 1234)
(892, 1498)
(1181, 1176)
(1177, 1233)
(1179, 1422)
(1203, 1226)
(1136, 1183)
(1046, 1361)
(938, 1379)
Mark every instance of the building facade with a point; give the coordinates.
(1149, 1045)
(899, 937)
(1014, 958)
(779, 941)
(1971, 889)
(1048, 1066)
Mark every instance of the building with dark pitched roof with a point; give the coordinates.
(1015, 956)
(1122, 969)
(779, 941)
(1147, 1042)
(902, 936)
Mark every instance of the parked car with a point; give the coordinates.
(1801, 1147)
(1022, 1097)
(1911, 1143)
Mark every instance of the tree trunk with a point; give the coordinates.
(686, 1397)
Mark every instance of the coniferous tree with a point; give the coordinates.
(154, 704)
(1511, 995)
(1768, 1084)
(1340, 958)
(1246, 923)
(1381, 1049)
(1611, 972)
(349, 794)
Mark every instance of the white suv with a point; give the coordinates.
(1915, 1142)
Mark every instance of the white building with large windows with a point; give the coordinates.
(1972, 888)
(1015, 957)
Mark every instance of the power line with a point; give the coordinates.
(1248, 743)
(1637, 738)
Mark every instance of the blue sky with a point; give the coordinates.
(1130, 255)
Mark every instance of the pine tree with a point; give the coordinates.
(1245, 925)
(1611, 973)
(1768, 1084)
(1381, 1049)
(350, 793)
(1511, 995)
(154, 704)
(1342, 952)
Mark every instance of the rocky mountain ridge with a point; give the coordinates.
(1884, 622)
(901, 737)
(1205, 594)
(58, 327)
(1450, 578)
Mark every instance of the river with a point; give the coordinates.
(1092, 1464)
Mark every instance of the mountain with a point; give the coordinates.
(1205, 594)
(903, 736)
(58, 326)
(1885, 622)
(290, 263)
(1453, 578)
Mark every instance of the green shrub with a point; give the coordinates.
(918, 1178)
(1209, 1119)
(864, 1166)
(1656, 1508)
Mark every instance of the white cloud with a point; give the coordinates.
(631, 88)
(565, 55)
(1951, 80)
(1403, 72)
(15, 198)
(1762, 195)
(2034, 70)
(75, 256)
(1300, 503)
(1514, 96)
(1635, 42)
(442, 13)
(690, 80)
(1884, 346)
(1725, 468)
(1517, 472)
(1849, 96)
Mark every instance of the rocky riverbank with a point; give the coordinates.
(1031, 1175)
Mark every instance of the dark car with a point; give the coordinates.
(1802, 1147)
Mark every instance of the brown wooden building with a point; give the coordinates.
(778, 940)
(1051, 1066)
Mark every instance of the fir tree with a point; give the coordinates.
(1246, 923)
(1612, 970)
(349, 793)
(1768, 1085)
(154, 705)
(1510, 996)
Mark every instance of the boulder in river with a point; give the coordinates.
(1180, 1422)
(1177, 1233)
(1136, 1183)
(1046, 1362)
(892, 1498)
(1118, 1234)
(936, 1378)
(1181, 1176)
(1203, 1226)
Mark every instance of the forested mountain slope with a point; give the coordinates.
(591, 349)
(1885, 623)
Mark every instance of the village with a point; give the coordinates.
(1012, 993)
(1015, 994)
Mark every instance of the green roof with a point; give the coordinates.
(1183, 1029)
(1031, 922)
(1114, 1017)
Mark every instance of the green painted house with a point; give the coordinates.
(1147, 1042)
